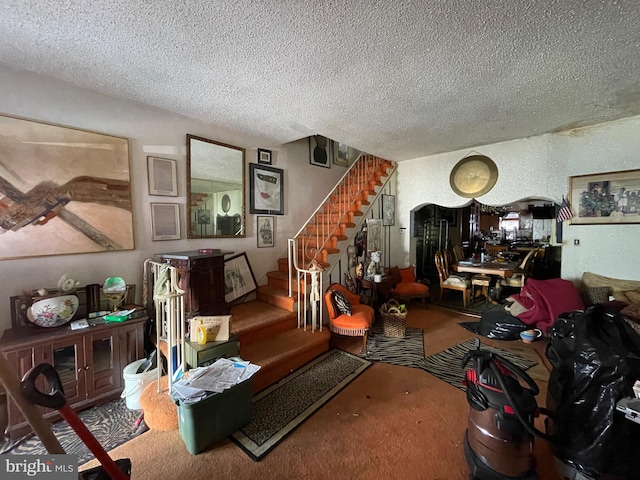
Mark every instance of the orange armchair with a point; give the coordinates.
(405, 285)
(354, 325)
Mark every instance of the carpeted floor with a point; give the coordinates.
(281, 408)
(111, 423)
(390, 422)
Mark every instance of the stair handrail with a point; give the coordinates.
(365, 165)
(353, 185)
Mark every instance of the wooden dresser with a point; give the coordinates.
(202, 277)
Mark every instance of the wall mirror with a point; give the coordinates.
(215, 189)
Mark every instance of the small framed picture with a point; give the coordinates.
(264, 156)
(239, 280)
(320, 151)
(162, 176)
(165, 221)
(266, 231)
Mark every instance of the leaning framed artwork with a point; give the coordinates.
(266, 189)
(163, 178)
(165, 221)
(238, 278)
(320, 151)
(64, 190)
(266, 231)
(605, 198)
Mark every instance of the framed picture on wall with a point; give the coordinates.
(265, 227)
(162, 176)
(374, 235)
(388, 210)
(605, 198)
(266, 189)
(165, 221)
(264, 156)
(70, 190)
(320, 151)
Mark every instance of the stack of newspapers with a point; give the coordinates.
(217, 377)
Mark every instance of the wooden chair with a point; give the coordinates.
(482, 281)
(448, 282)
(521, 273)
(458, 253)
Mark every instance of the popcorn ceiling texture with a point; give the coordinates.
(399, 79)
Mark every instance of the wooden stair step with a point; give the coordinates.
(278, 297)
(284, 353)
(255, 321)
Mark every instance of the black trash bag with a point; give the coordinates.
(595, 356)
(498, 324)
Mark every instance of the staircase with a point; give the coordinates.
(273, 329)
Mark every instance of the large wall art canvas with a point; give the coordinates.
(62, 190)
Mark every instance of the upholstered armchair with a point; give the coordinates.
(347, 315)
(405, 287)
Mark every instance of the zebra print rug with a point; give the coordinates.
(447, 365)
(111, 423)
(407, 351)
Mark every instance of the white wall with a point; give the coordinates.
(151, 132)
(537, 167)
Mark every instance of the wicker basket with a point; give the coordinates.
(393, 321)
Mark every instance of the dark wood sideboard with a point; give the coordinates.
(202, 277)
(89, 361)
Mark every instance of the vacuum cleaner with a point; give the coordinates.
(498, 441)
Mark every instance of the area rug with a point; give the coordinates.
(111, 423)
(407, 351)
(447, 365)
(281, 408)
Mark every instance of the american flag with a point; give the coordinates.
(564, 213)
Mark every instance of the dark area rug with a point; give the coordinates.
(407, 351)
(284, 406)
(111, 423)
(447, 365)
(453, 301)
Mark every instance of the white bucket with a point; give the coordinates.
(134, 383)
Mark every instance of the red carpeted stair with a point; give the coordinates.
(267, 327)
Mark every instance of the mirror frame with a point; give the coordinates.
(190, 233)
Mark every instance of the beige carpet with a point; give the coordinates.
(391, 422)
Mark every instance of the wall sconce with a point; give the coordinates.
(402, 230)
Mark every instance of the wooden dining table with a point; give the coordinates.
(493, 269)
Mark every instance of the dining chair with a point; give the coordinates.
(449, 261)
(482, 281)
(458, 253)
(449, 282)
(521, 273)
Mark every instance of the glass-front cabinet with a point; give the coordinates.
(89, 362)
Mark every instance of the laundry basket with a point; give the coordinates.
(393, 319)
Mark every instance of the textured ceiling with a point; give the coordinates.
(399, 79)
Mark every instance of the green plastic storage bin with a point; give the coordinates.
(215, 417)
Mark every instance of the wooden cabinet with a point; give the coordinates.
(89, 362)
(202, 277)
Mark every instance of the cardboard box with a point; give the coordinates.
(216, 417)
(218, 327)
